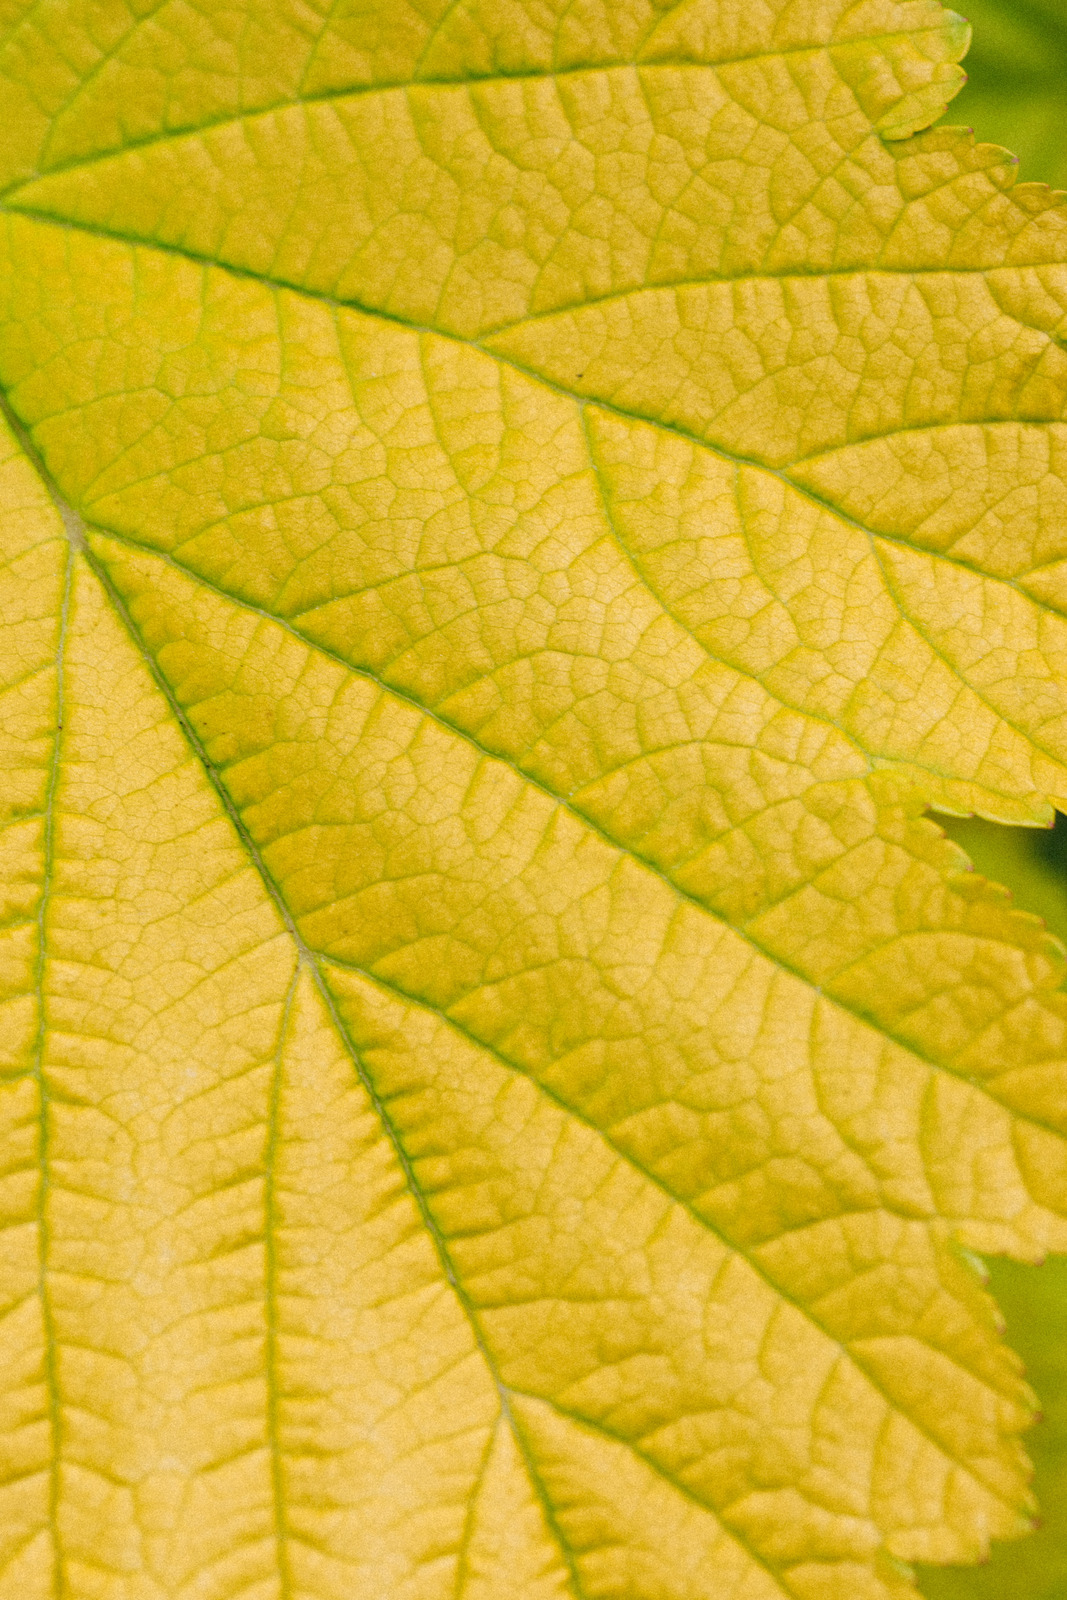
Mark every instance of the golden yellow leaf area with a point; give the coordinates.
(511, 510)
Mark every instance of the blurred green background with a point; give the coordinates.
(1016, 95)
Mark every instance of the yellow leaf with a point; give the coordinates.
(512, 511)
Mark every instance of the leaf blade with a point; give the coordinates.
(554, 839)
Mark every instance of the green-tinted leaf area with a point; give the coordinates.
(512, 511)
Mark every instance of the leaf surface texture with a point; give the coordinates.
(511, 512)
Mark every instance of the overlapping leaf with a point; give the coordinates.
(499, 1067)
(1035, 1303)
(1032, 1299)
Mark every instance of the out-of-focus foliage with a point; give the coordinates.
(1031, 861)
(1016, 93)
